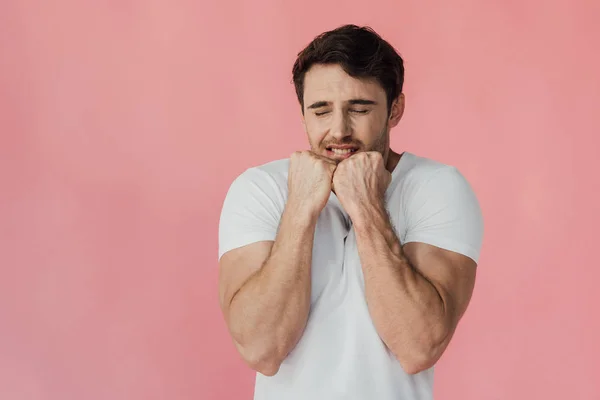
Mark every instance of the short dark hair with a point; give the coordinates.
(360, 51)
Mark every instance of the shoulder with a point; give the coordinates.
(417, 170)
(441, 208)
(266, 181)
(264, 174)
(418, 174)
(276, 170)
(430, 189)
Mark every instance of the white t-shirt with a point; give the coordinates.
(340, 354)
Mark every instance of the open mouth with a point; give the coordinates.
(341, 152)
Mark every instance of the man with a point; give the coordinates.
(344, 270)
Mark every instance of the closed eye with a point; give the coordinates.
(318, 114)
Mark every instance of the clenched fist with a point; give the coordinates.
(361, 181)
(309, 181)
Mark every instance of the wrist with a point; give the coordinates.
(367, 213)
(301, 211)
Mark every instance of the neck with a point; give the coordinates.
(392, 160)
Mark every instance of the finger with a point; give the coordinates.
(327, 160)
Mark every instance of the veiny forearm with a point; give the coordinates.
(268, 314)
(407, 310)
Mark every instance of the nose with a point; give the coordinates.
(340, 126)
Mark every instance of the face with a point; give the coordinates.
(344, 115)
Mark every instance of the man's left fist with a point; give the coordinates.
(361, 181)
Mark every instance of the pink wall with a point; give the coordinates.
(122, 124)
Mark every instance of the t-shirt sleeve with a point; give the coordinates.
(444, 212)
(251, 211)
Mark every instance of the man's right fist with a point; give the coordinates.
(310, 178)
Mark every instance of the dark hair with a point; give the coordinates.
(360, 51)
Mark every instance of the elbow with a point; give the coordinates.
(262, 360)
(417, 364)
(268, 366)
(422, 357)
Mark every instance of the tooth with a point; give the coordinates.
(342, 151)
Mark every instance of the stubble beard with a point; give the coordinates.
(380, 145)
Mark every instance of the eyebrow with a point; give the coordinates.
(364, 102)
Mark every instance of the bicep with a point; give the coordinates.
(247, 230)
(444, 236)
(237, 266)
(452, 274)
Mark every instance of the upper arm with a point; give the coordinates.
(452, 274)
(444, 237)
(237, 266)
(247, 229)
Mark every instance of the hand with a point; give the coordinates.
(360, 182)
(309, 181)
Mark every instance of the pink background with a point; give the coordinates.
(123, 123)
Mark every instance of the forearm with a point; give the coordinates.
(407, 310)
(268, 314)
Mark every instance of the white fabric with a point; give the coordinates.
(340, 355)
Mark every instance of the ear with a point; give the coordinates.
(397, 110)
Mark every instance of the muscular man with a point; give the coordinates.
(344, 270)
